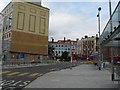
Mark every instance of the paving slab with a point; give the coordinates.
(82, 76)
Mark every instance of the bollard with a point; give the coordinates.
(99, 68)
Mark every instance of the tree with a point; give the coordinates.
(51, 51)
(65, 56)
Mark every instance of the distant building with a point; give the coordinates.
(86, 46)
(64, 45)
(25, 31)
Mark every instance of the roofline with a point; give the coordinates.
(25, 2)
(6, 6)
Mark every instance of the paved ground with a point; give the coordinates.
(20, 76)
(82, 76)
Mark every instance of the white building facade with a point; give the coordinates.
(64, 45)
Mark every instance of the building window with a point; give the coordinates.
(10, 21)
(92, 46)
(32, 23)
(6, 27)
(20, 21)
(12, 6)
(9, 34)
(42, 25)
(6, 36)
(68, 48)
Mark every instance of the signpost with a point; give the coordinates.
(21, 56)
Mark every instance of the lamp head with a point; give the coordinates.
(99, 8)
(97, 15)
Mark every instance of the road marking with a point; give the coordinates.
(34, 74)
(13, 73)
(51, 74)
(13, 84)
(22, 74)
(4, 72)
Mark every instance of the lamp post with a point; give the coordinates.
(71, 52)
(112, 64)
(71, 45)
(98, 15)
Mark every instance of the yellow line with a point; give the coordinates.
(34, 74)
(4, 72)
(13, 73)
(22, 74)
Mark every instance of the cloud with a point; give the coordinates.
(70, 25)
(75, 20)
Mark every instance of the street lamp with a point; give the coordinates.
(72, 48)
(98, 15)
(71, 52)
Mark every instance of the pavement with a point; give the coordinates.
(82, 76)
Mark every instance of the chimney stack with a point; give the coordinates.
(77, 39)
(52, 40)
(64, 39)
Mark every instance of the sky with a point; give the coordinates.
(74, 18)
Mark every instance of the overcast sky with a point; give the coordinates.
(74, 18)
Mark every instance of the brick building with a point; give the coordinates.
(86, 46)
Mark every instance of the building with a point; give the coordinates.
(64, 45)
(0, 37)
(24, 31)
(86, 46)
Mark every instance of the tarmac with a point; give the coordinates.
(82, 76)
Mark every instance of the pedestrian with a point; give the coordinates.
(96, 65)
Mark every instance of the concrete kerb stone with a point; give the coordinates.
(22, 66)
